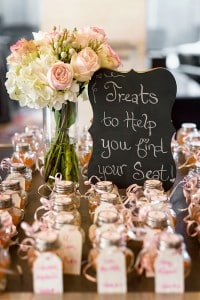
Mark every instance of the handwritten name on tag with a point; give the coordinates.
(169, 272)
(111, 272)
(70, 249)
(47, 274)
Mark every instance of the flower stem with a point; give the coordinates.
(61, 156)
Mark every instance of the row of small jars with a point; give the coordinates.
(147, 211)
(57, 216)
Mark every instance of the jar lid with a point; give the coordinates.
(107, 217)
(109, 238)
(63, 218)
(169, 240)
(156, 219)
(22, 147)
(188, 125)
(5, 201)
(10, 184)
(64, 186)
(103, 186)
(63, 203)
(46, 240)
(18, 167)
(153, 184)
(109, 198)
(195, 145)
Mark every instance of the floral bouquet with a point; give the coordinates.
(51, 71)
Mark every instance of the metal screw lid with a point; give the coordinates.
(63, 204)
(63, 218)
(109, 198)
(64, 186)
(103, 186)
(17, 167)
(22, 147)
(109, 238)
(169, 240)
(46, 240)
(153, 184)
(107, 217)
(11, 184)
(188, 125)
(5, 201)
(156, 219)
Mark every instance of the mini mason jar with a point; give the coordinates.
(66, 218)
(24, 154)
(112, 240)
(44, 241)
(152, 187)
(19, 172)
(184, 131)
(12, 187)
(106, 219)
(66, 188)
(6, 204)
(175, 241)
(157, 221)
(100, 187)
(58, 205)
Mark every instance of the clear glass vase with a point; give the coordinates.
(60, 129)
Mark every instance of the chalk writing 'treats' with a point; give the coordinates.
(114, 94)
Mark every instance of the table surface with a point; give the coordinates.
(137, 286)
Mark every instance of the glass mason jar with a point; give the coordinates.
(184, 131)
(66, 188)
(100, 187)
(24, 154)
(44, 241)
(66, 218)
(19, 172)
(112, 240)
(12, 187)
(4, 265)
(58, 205)
(6, 205)
(152, 187)
(168, 240)
(106, 219)
(163, 202)
(157, 221)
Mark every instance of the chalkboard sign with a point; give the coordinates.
(132, 127)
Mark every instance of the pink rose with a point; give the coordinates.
(20, 49)
(60, 76)
(88, 34)
(84, 64)
(108, 57)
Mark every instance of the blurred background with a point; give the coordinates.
(145, 33)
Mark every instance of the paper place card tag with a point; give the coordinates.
(111, 272)
(70, 251)
(47, 274)
(169, 272)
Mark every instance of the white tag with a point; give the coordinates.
(169, 272)
(111, 272)
(47, 274)
(103, 206)
(70, 251)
